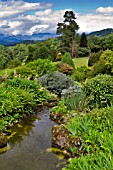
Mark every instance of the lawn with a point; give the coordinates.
(5, 71)
(81, 61)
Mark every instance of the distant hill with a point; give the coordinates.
(101, 33)
(14, 39)
(26, 39)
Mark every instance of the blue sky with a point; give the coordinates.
(35, 16)
(77, 4)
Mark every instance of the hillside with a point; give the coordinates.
(14, 39)
(101, 33)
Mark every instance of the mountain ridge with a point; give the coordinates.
(15, 39)
(101, 33)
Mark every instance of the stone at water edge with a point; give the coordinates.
(3, 140)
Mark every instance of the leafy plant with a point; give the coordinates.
(80, 74)
(99, 90)
(67, 59)
(18, 96)
(94, 58)
(56, 82)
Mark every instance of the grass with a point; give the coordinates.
(3, 72)
(83, 61)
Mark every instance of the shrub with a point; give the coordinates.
(99, 90)
(25, 72)
(59, 56)
(74, 98)
(94, 58)
(68, 59)
(80, 74)
(56, 82)
(35, 68)
(42, 66)
(105, 64)
(65, 68)
(41, 52)
(82, 52)
(71, 91)
(14, 63)
(18, 96)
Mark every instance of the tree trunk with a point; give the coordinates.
(73, 45)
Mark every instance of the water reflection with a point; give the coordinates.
(22, 129)
(29, 142)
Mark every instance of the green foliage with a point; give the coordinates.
(60, 108)
(95, 130)
(19, 97)
(83, 40)
(34, 69)
(105, 64)
(94, 43)
(94, 58)
(4, 57)
(56, 82)
(107, 42)
(42, 66)
(82, 52)
(91, 162)
(80, 74)
(68, 59)
(14, 63)
(67, 30)
(31, 51)
(19, 51)
(99, 90)
(41, 52)
(25, 72)
(74, 98)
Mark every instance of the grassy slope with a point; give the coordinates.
(3, 72)
(81, 61)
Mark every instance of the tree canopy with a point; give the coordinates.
(67, 29)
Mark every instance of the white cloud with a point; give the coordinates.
(15, 20)
(13, 7)
(38, 28)
(105, 10)
(14, 24)
(94, 22)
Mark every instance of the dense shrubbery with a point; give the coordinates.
(80, 74)
(99, 90)
(56, 82)
(82, 52)
(68, 59)
(104, 65)
(94, 58)
(24, 72)
(17, 98)
(41, 52)
(42, 66)
(34, 69)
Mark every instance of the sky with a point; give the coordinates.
(27, 17)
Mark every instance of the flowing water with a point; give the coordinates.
(29, 145)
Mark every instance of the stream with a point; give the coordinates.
(30, 146)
